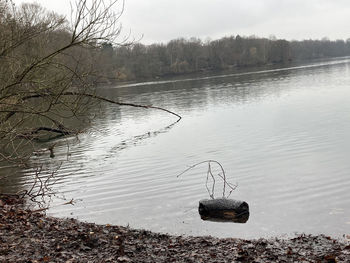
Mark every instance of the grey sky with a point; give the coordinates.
(163, 20)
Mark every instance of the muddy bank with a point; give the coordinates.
(27, 236)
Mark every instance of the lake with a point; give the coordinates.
(282, 135)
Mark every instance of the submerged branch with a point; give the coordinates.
(37, 130)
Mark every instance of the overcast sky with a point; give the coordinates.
(163, 20)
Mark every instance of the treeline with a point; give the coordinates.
(30, 33)
(182, 56)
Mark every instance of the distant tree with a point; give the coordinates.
(279, 51)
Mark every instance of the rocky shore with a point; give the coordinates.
(29, 236)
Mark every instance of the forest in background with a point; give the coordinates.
(183, 56)
(102, 61)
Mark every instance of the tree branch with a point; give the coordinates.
(222, 175)
(104, 99)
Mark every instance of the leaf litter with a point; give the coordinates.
(28, 236)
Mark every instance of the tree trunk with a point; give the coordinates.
(223, 210)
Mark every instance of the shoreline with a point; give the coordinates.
(229, 72)
(29, 236)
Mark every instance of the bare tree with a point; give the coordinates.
(47, 70)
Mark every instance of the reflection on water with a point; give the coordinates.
(282, 135)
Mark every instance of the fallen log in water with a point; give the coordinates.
(224, 210)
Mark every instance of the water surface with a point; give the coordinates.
(282, 135)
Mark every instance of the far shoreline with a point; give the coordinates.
(232, 72)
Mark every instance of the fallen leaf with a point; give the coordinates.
(46, 259)
(124, 259)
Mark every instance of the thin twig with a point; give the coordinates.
(222, 175)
